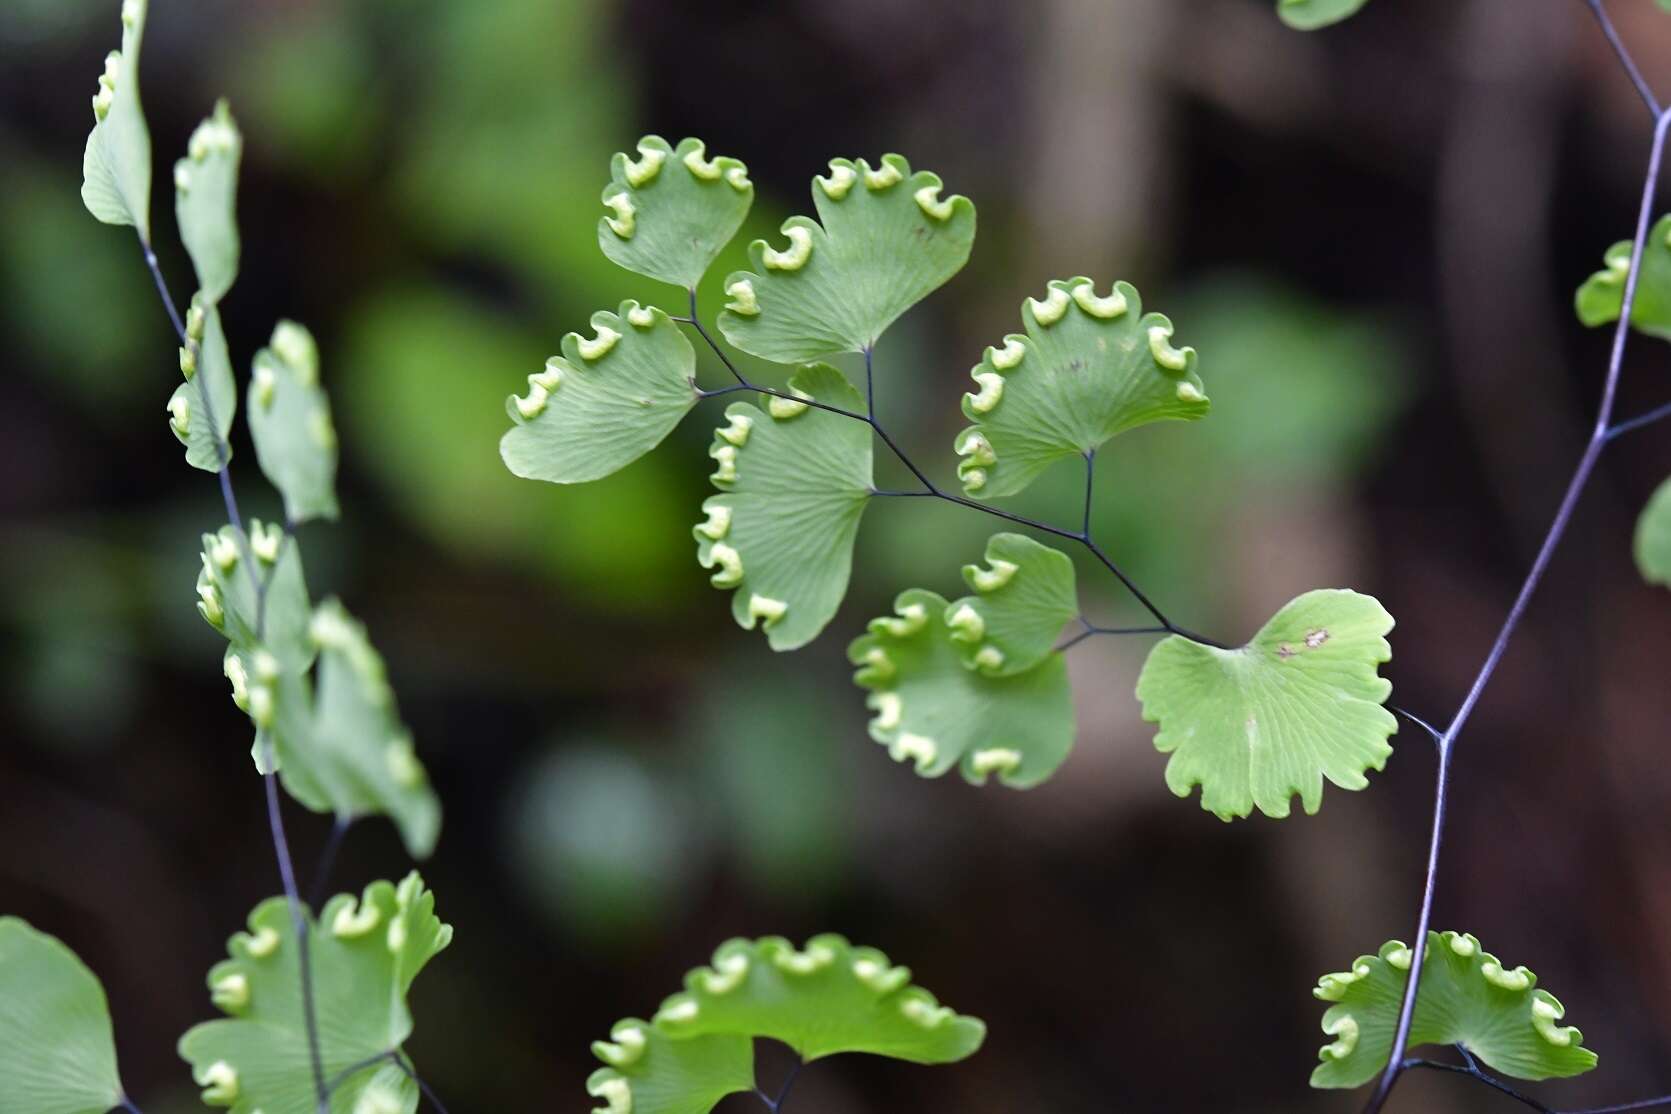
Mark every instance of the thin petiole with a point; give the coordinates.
(428, 1092)
(1433, 732)
(1642, 88)
(775, 1105)
(1090, 478)
(1093, 632)
(327, 859)
(299, 925)
(355, 1068)
(1656, 414)
(696, 321)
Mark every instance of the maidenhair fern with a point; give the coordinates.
(314, 1002)
(979, 682)
(976, 683)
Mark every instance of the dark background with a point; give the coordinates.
(1372, 235)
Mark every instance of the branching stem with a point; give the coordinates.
(275, 819)
(327, 859)
(775, 1105)
(1470, 1068)
(931, 490)
(1599, 436)
(1599, 9)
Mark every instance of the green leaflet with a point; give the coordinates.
(356, 756)
(1300, 702)
(933, 711)
(1601, 298)
(365, 955)
(1309, 15)
(208, 368)
(342, 749)
(228, 591)
(605, 402)
(116, 168)
(57, 1052)
(829, 999)
(290, 423)
(672, 209)
(205, 201)
(1466, 997)
(1022, 599)
(795, 480)
(1087, 369)
(1653, 537)
(652, 1072)
(883, 241)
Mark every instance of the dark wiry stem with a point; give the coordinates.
(1625, 60)
(1470, 1068)
(405, 1065)
(775, 1105)
(327, 859)
(1552, 540)
(275, 820)
(299, 925)
(1656, 414)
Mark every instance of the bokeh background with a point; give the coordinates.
(1372, 236)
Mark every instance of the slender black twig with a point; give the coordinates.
(425, 1089)
(1090, 479)
(1552, 540)
(327, 859)
(1433, 732)
(1472, 1071)
(299, 925)
(1625, 60)
(697, 321)
(1656, 414)
(1639, 1104)
(1470, 1068)
(1093, 632)
(336, 1081)
(275, 819)
(775, 1105)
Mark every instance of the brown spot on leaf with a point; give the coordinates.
(1284, 651)
(1316, 638)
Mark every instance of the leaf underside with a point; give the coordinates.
(1086, 369)
(830, 998)
(605, 402)
(354, 757)
(57, 1051)
(1466, 997)
(1021, 600)
(794, 481)
(205, 440)
(365, 955)
(290, 423)
(672, 210)
(883, 241)
(205, 202)
(1299, 703)
(933, 711)
(116, 166)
